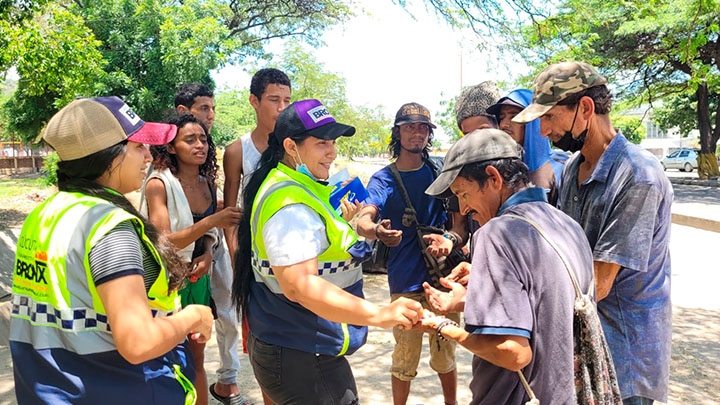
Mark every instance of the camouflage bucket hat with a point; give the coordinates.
(557, 82)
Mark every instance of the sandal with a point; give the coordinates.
(231, 400)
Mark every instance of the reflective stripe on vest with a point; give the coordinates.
(53, 290)
(284, 187)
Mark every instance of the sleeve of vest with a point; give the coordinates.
(117, 254)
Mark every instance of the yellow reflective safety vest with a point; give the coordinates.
(55, 302)
(272, 317)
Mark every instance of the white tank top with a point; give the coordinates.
(250, 159)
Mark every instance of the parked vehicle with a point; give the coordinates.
(684, 160)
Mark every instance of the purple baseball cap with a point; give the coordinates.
(311, 117)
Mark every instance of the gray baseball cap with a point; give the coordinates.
(477, 146)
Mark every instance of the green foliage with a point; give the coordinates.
(140, 50)
(234, 116)
(680, 111)
(631, 127)
(310, 80)
(42, 49)
(446, 119)
(49, 170)
(6, 91)
(152, 46)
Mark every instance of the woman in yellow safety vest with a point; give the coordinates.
(297, 280)
(95, 309)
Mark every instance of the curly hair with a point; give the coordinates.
(163, 159)
(394, 146)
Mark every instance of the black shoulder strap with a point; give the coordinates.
(410, 216)
(436, 168)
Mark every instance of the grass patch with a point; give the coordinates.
(10, 188)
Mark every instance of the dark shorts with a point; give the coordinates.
(291, 376)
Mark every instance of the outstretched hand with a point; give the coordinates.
(438, 245)
(446, 302)
(390, 237)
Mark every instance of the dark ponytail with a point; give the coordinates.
(80, 176)
(243, 267)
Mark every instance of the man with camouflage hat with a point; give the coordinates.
(621, 198)
(410, 145)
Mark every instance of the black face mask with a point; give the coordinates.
(567, 142)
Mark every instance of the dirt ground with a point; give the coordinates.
(694, 373)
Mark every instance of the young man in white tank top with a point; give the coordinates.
(269, 95)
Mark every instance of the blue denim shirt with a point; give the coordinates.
(624, 208)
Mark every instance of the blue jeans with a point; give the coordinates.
(637, 401)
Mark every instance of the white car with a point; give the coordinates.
(684, 160)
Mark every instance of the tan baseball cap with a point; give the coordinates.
(89, 125)
(555, 83)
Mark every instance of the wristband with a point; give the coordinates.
(452, 238)
(376, 228)
(442, 324)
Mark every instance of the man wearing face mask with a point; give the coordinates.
(409, 145)
(621, 198)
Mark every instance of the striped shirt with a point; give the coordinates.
(116, 255)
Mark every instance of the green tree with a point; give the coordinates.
(631, 127)
(446, 118)
(234, 116)
(6, 90)
(310, 80)
(680, 111)
(648, 50)
(42, 49)
(138, 49)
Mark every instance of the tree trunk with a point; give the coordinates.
(707, 162)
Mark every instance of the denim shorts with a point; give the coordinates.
(290, 376)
